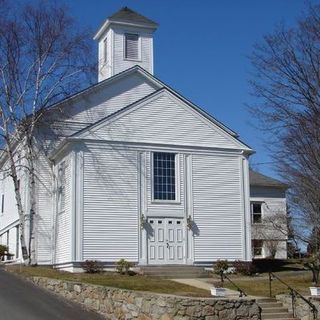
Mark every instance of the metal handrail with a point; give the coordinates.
(293, 293)
(224, 276)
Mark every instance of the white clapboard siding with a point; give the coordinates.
(273, 207)
(66, 128)
(63, 226)
(217, 208)
(10, 212)
(44, 210)
(145, 52)
(105, 60)
(110, 214)
(13, 241)
(105, 101)
(165, 120)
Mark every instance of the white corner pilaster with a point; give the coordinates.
(79, 205)
(142, 207)
(246, 209)
(188, 208)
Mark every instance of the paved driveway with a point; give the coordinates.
(21, 300)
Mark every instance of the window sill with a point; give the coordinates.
(175, 202)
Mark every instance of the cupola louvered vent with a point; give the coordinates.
(132, 46)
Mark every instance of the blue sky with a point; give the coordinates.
(201, 50)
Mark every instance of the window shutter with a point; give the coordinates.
(132, 46)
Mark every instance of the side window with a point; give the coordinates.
(131, 46)
(257, 247)
(256, 212)
(61, 187)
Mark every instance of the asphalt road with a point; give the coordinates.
(21, 300)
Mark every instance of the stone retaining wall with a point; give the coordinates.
(302, 309)
(117, 304)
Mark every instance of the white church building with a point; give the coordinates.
(140, 172)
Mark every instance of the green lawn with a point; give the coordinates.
(301, 281)
(110, 279)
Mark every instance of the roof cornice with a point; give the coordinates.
(108, 23)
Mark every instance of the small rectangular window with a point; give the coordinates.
(257, 247)
(105, 50)
(131, 46)
(256, 212)
(164, 176)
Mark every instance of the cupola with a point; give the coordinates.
(125, 40)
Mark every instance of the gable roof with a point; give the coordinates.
(126, 16)
(164, 90)
(100, 85)
(216, 133)
(112, 115)
(158, 83)
(259, 180)
(152, 79)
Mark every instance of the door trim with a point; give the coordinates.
(166, 260)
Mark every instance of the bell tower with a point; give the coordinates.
(125, 40)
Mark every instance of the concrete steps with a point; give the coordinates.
(175, 272)
(273, 309)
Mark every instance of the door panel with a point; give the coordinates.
(165, 241)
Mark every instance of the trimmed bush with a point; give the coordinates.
(91, 266)
(123, 266)
(245, 268)
(3, 250)
(220, 266)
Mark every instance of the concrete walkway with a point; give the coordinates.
(202, 283)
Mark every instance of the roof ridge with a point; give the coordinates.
(127, 14)
(260, 179)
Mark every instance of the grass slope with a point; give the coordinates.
(110, 279)
(255, 286)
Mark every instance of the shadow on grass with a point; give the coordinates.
(277, 265)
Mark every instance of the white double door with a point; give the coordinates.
(166, 241)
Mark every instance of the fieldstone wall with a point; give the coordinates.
(117, 304)
(302, 309)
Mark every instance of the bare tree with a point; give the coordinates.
(286, 82)
(272, 231)
(44, 57)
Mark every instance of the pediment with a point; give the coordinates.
(161, 118)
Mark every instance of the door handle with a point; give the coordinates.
(168, 245)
